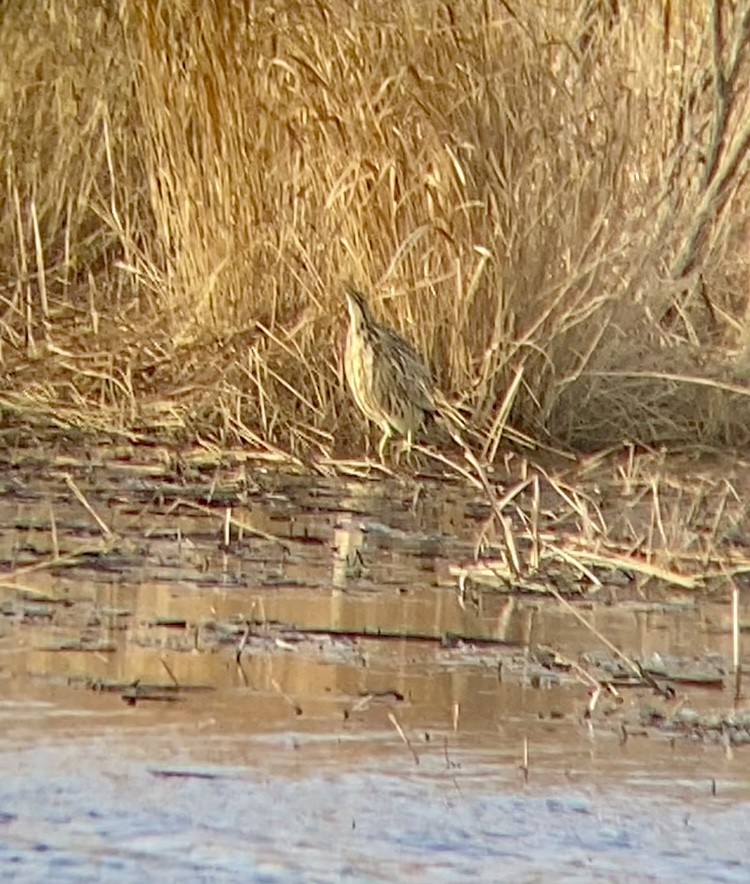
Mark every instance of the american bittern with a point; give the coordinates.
(389, 381)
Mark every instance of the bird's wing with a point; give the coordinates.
(416, 380)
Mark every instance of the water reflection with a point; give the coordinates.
(309, 649)
(359, 559)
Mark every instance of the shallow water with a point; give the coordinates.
(92, 796)
(317, 700)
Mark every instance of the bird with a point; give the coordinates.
(388, 379)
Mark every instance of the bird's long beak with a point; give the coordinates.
(353, 302)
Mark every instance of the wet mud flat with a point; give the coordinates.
(224, 647)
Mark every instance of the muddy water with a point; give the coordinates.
(296, 689)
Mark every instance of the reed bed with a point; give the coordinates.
(548, 198)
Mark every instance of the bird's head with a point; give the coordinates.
(357, 303)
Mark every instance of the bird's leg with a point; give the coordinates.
(383, 442)
(397, 449)
(408, 444)
(403, 445)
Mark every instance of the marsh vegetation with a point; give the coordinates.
(546, 198)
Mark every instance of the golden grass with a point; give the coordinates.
(546, 197)
(639, 524)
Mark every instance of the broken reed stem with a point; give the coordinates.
(41, 275)
(11, 584)
(736, 638)
(497, 430)
(446, 461)
(593, 701)
(80, 497)
(585, 676)
(295, 707)
(632, 563)
(400, 731)
(53, 532)
(58, 561)
(242, 643)
(227, 520)
(594, 631)
(572, 560)
(535, 545)
(496, 505)
(170, 672)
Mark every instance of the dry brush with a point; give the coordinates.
(549, 193)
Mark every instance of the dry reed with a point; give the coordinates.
(547, 198)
